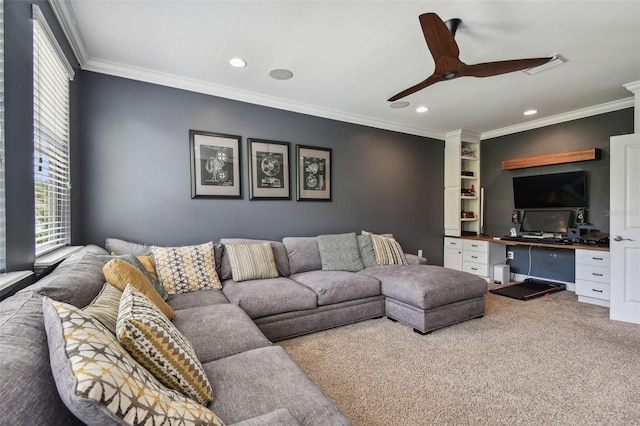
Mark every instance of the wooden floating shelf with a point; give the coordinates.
(549, 159)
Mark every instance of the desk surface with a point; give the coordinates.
(574, 246)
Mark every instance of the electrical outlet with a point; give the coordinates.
(420, 253)
(509, 254)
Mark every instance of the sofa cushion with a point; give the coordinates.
(279, 254)
(105, 307)
(251, 261)
(281, 417)
(260, 298)
(77, 280)
(244, 379)
(338, 286)
(27, 390)
(158, 346)
(117, 246)
(119, 273)
(219, 331)
(187, 268)
(99, 381)
(426, 286)
(339, 252)
(134, 261)
(303, 253)
(367, 254)
(210, 296)
(388, 251)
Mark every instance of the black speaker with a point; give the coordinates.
(515, 216)
(581, 217)
(575, 234)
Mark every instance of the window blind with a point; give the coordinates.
(3, 238)
(51, 127)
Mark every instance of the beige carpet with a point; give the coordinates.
(548, 361)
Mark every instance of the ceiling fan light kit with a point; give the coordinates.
(440, 40)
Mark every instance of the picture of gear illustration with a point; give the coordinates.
(270, 165)
(215, 166)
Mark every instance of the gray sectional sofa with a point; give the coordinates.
(232, 329)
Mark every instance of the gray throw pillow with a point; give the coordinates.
(367, 253)
(303, 254)
(340, 252)
(118, 246)
(133, 260)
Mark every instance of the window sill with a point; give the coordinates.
(9, 279)
(50, 259)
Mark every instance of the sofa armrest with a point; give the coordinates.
(415, 260)
(280, 417)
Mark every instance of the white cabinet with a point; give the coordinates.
(592, 276)
(462, 183)
(473, 256)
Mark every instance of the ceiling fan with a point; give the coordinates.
(445, 52)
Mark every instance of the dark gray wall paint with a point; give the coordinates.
(136, 173)
(591, 132)
(18, 76)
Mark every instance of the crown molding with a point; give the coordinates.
(633, 87)
(67, 18)
(560, 118)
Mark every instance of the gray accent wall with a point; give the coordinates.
(135, 172)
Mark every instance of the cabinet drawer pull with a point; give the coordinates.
(597, 275)
(597, 258)
(474, 269)
(597, 291)
(452, 243)
(474, 245)
(474, 257)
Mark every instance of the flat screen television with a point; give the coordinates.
(546, 221)
(550, 191)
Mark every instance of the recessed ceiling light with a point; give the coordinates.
(531, 112)
(399, 104)
(237, 62)
(280, 74)
(422, 109)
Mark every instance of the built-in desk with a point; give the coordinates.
(478, 254)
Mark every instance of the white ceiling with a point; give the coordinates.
(349, 57)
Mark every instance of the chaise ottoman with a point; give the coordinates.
(428, 297)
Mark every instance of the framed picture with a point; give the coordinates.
(215, 165)
(268, 170)
(313, 173)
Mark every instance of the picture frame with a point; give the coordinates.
(216, 170)
(313, 173)
(268, 169)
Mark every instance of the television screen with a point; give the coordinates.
(551, 221)
(549, 191)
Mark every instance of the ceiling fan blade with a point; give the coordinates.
(439, 39)
(489, 69)
(428, 82)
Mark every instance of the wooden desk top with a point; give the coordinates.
(574, 246)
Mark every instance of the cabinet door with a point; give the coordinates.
(452, 211)
(453, 259)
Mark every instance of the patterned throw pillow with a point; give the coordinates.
(105, 307)
(101, 383)
(135, 261)
(120, 273)
(388, 251)
(158, 346)
(185, 269)
(367, 253)
(252, 261)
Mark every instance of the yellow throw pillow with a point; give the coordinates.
(187, 268)
(149, 264)
(120, 273)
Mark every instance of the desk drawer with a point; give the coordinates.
(475, 256)
(592, 289)
(475, 268)
(592, 257)
(592, 273)
(482, 246)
